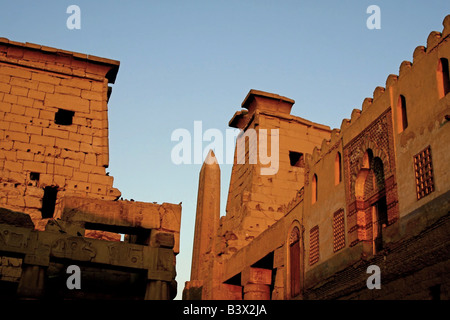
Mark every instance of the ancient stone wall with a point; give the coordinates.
(374, 192)
(54, 126)
(256, 200)
(378, 128)
(53, 158)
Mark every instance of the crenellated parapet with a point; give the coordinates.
(341, 197)
(406, 69)
(389, 129)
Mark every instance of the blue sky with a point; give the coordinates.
(186, 61)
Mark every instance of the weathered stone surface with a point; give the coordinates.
(117, 215)
(54, 151)
(374, 192)
(207, 218)
(256, 276)
(17, 219)
(41, 247)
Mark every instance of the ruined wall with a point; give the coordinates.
(256, 200)
(36, 83)
(375, 192)
(53, 159)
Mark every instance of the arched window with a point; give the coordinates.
(367, 158)
(294, 258)
(443, 77)
(402, 119)
(337, 169)
(314, 189)
(377, 167)
(379, 208)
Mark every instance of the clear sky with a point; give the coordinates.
(186, 61)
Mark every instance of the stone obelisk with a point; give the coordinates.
(207, 218)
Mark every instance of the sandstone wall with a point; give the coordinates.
(37, 152)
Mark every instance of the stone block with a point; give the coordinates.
(71, 163)
(76, 83)
(67, 144)
(19, 91)
(256, 292)
(17, 219)
(46, 78)
(170, 216)
(63, 170)
(18, 109)
(22, 155)
(9, 155)
(278, 257)
(13, 166)
(256, 276)
(33, 202)
(18, 136)
(32, 112)
(91, 95)
(99, 188)
(46, 115)
(66, 101)
(68, 90)
(162, 239)
(4, 106)
(4, 87)
(35, 94)
(45, 87)
(33, 166)
(101, 179)
(63, 134)
(228, 292)
(5, 78)
(80, 176)
(16, 72)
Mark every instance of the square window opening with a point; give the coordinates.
(34, 176)
(64, 117)
(296, 159)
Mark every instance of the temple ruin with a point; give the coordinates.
(375, 192)
(58, 206)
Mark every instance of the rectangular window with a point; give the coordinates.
(402, 114)
(443, 78)
(34, 176)
(296, 159)
(338, 230)
(423, 168)
(314, 245)
(64, 117)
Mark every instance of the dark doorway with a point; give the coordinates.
(294, 254)
(49, 202)
(379, 221)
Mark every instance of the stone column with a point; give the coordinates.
(226, 291)
(34, 269)
(256, 282)
(254, 291)
(157, 290)
(193, 290)
(32, 282)
(161, 284)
